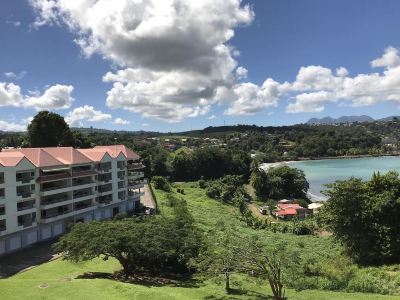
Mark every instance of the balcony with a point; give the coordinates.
(2, 210)
(82, 181)
(103, 168)
(134, 195)
(2, 194)
(82, 193)
(135, 175)
(83, 173)
(135, 166)
(3, 226)
(121, 165)
(104, 200)
(51, 188)
(54, 214)
(55, 200)
(53, 177)
(27, 220)
(121, 185)
(24, 192)
(1, 178)
(25, 177)
(135, 184)
(22, 206)
(84, 206)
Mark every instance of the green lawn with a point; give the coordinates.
(57, 279)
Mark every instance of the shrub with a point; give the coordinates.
(161, 183)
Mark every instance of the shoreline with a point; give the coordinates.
(266, 166)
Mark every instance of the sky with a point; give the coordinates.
(176, 65)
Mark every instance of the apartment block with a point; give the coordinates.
(44, 190)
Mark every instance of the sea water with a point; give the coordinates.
(321, 172)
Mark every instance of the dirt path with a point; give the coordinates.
(256, 211)
(147, 199)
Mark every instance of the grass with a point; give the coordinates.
(57, 279)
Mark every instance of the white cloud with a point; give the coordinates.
(212, 117)
(241, 73)
(251, 98)
(121, 121)
(54, 97)
(10, 126)
(389, 59)
(145, 124)
(16, 76)
(85, 113)
(173, 54)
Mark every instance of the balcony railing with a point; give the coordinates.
(135, 166)
(24, 194)
(26, 206)
(24, 179)
(54, 200)
(55, 214)
(52, 177)
(83, 173)
(82, 194)
(82, 182)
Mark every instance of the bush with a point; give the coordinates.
(161, 183)
(202, 183)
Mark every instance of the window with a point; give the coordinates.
(2, 210)
(26, 220)
(3, 226)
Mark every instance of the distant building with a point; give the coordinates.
(315, 207)
(42, 190)
(286, 210)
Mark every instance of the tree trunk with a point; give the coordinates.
(227, 282)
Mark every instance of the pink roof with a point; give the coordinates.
(115, 150)
(58, 156)
(10, 159)
(68, 155)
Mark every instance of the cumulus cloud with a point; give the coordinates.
(85, 113)
(16, 76)
(212, 117)
(121, 121)
(317, 86)
(241, 73)
(10, 126)
(173, 54)
(54, 97)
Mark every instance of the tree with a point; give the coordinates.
(217, 256)
(280, 182)
(49, 129)
(364, 217)
(151, 244)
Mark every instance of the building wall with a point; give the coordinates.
(16, 237)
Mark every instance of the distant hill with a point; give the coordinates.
(341, 120)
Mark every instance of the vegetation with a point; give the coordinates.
(321, 262)
(151, 244)
(280, 182)
(364, 217)
(49, 129)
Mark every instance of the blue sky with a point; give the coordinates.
(176, 79)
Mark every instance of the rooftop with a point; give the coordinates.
(59, 156)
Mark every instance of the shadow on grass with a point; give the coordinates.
(234, 293)
(147, 278)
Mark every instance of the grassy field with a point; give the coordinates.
(57, 279)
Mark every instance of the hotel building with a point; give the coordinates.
(43, 190)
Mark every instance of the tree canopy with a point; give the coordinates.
(279, 182)
(49, 129)
(364, 216)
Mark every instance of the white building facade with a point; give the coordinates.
(44, 190)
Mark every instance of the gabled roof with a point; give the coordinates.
(59, 156)
(40, 158)
(68, 155)
(115, 150)
(10, 159)
(93, 154)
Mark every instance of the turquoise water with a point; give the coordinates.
(320, 172)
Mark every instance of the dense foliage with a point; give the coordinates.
(49, 129)
(364, 216)
(280, 182)
(151, 244)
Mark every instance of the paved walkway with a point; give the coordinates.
(147, 199)
(25, 259)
